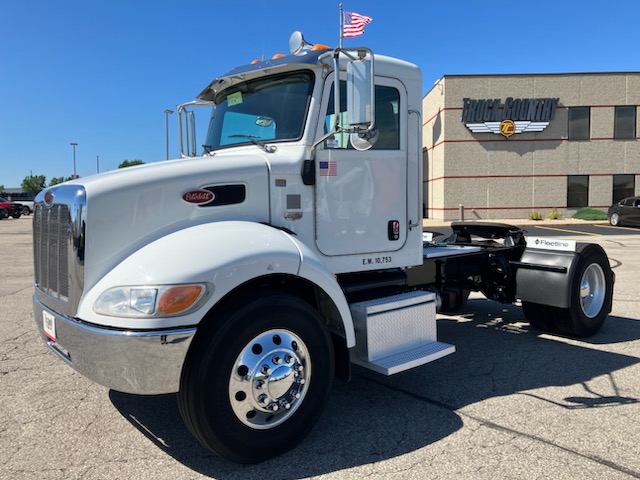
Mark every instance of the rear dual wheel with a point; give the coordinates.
(591, 292)
(254, 385)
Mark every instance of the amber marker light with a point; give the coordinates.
(178, 299)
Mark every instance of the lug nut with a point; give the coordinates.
(276, 360)
(262, 398)
(259, 384)
(266, 370)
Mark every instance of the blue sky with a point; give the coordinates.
(101, 72)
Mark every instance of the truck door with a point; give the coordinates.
(361, 196)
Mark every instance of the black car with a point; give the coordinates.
(4, 213)
(625, 212)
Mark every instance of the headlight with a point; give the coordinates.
(150, 301)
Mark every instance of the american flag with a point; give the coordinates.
(328, 169)
(354, 24)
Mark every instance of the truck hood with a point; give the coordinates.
(128, 208)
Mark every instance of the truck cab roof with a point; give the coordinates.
(385, 66)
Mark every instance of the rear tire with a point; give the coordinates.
(540, 316)
(255, 383)
(591, 294)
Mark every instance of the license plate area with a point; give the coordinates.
(49, 325)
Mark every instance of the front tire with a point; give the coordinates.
(256, 382)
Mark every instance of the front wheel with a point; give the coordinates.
(255, 384)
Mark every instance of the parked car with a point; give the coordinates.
(14, 209)
(27, 207)
(625, 212)
(4, 213)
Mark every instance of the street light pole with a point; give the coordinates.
(166, 126)
(74, 145)
(98, 163)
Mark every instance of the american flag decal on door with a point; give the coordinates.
(328, 169)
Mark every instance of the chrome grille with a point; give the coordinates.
(51, 230)
(58, 247)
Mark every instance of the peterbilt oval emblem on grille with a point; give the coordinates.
(48, 197)
(199, 197)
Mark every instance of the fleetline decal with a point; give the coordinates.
(514, 115)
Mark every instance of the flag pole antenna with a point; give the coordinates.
(341, 25)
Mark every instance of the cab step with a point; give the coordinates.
(397, 333)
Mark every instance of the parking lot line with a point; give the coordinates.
(569, 231)
(619, 228)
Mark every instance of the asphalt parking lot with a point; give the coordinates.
(510, 403)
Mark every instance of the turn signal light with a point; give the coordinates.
(178, 299)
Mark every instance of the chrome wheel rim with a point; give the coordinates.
(592, 290)
(270, 379)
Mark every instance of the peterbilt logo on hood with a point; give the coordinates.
(198, 197)
(515, 115)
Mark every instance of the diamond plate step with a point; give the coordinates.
(399, 362)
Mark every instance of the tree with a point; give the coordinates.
(57, 180)
(34, 184)
(130, 163)
(1, 188)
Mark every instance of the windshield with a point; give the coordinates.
(263, 110)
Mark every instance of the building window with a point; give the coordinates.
(624, 126)
(577, 191)
(623, 186)
(579, 123)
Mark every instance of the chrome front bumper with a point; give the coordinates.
(139, 362)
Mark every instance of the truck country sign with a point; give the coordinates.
(515, 115)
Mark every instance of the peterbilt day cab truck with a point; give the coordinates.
(244, 278)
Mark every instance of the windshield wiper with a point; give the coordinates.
(252, 139)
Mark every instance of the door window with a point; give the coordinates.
(387, 119)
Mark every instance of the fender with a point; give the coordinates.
(223, 255)
(315, 271)
(546, 287)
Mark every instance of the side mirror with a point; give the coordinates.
(361, 93)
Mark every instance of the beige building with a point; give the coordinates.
(504, 146)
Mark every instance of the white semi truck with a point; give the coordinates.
(246, 276)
